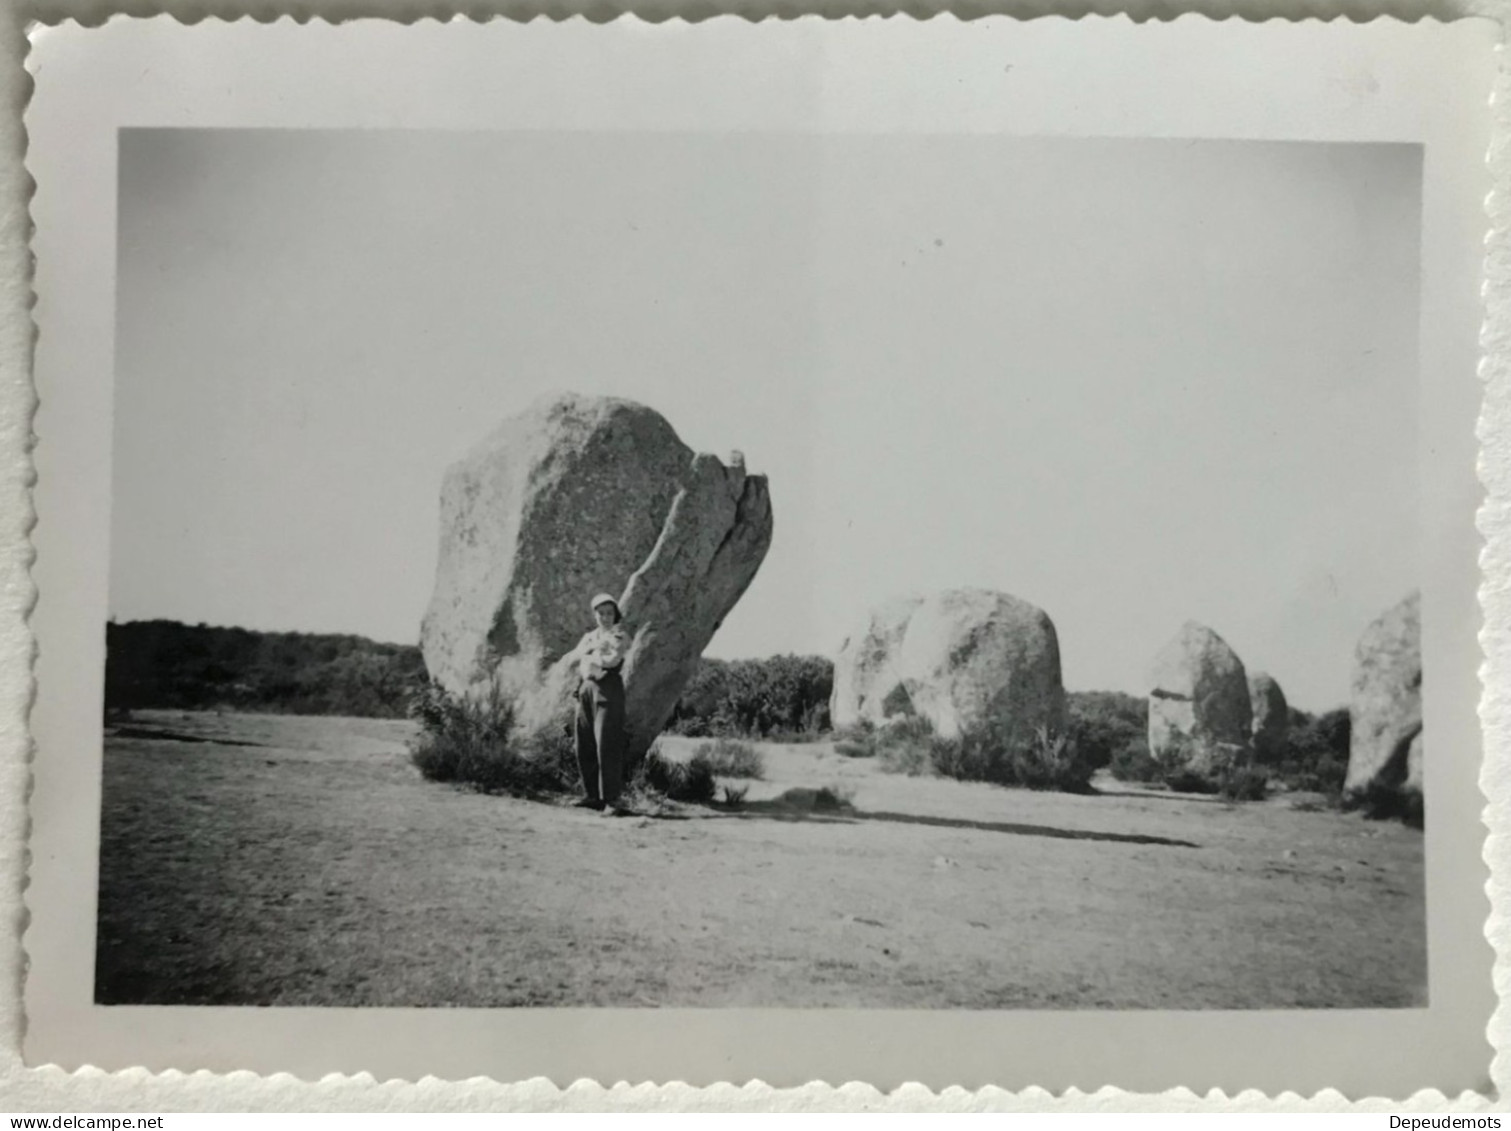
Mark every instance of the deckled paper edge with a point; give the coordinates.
(25, 1089)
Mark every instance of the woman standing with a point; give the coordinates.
(600, 708)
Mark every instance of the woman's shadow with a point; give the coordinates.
(825, 805)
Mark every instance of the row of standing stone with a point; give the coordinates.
(972, 658)
(579, 495)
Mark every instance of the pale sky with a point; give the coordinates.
(1132, 382)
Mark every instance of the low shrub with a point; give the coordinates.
(1106, 724)
(734, 796)
(832, 798)
(1134, 763)
(473, 741)
(1044, 761)
(1380, 803)
(731, 758)
(912, 758)
(1316, 755)
(1245, 783)
(1050, 761)
(690, 781)
(1323, 775)
(857, 740)
(906, 746)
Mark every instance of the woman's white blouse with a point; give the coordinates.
(601, 650)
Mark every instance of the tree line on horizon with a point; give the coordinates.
(167, 664)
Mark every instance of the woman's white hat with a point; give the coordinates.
(604, 599)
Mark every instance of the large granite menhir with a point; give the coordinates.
(1385, 735)
(1272, 718)
(968, 660)
(1200, 714)
(579, 495)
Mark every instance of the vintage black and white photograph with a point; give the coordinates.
(579, 569)
(804, 551)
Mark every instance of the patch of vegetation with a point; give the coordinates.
(906, 746)
(691, 781)
(784, 698)
(857, 740)
(1109, 727)
(1245, 783)
(832, 798)
(734, 796)
(1316, 755)
(473, 741)
(732, 758)
(910, 746)
(1045, 761)
(1383, 804)
(165, 664)
(1134, 763)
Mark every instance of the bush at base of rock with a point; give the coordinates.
(691, 781)
(1104, 724)
(473, 741)
(1134, 763)
(1046, 761)
(1247, 783)
(731, 758)
(1380, 803)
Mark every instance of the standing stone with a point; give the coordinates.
(866, 677)
(1272, 718)
(575, 496)
(968, 660)
(1385, 744)
(1200, 718)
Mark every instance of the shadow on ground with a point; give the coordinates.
(824, 806)
(157, 735)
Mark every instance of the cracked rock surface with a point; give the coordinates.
(575, 496)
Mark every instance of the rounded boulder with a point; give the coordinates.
(965, 659)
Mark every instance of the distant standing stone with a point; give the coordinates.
(1272, 717)
(1200, 717)
(575, 496)
(1385, 745)
(965, 659)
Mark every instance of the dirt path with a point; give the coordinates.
(309, 864)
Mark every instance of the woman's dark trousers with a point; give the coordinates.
(600, 737)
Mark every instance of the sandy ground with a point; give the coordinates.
(302, 861)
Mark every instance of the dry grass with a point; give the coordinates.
(305, 862)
